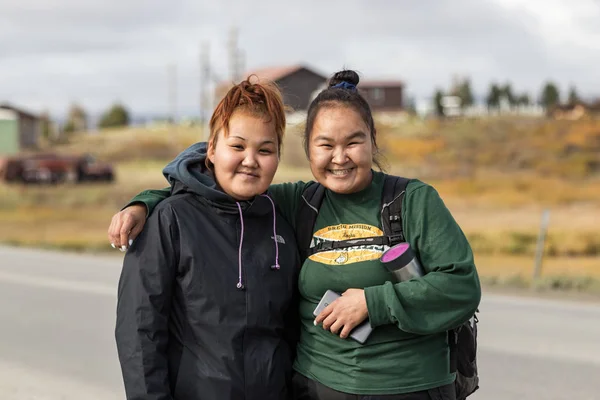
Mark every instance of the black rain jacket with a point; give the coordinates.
(202, 313)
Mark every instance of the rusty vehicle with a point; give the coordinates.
(55, 168)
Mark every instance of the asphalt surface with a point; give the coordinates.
(57, 315)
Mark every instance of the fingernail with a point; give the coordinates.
(130, 242)
(113, 246)
(123, 248)
(315, 322)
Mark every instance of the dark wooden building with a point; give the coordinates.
(298, 84)
(383, 96)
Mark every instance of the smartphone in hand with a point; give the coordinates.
(360, 333)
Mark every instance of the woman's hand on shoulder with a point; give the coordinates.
(345, 313)
(126, 225)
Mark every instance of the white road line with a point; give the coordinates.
(61, 284)
(547, 304)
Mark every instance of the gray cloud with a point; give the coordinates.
(96, 52)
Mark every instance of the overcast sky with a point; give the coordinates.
(95, 52)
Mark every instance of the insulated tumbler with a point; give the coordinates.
(401, 261)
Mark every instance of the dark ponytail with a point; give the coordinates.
(347, 76)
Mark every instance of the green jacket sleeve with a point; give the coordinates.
(449, 293)
(288, 196)
(285, 195)
(150, 198)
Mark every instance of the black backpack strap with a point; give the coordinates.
(394, 189)
(453, 346)
(463, 357)
(312, 197)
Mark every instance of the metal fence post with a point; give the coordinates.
(539, 253)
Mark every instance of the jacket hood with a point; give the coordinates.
(188, 173)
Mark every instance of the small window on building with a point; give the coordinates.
(378, 95)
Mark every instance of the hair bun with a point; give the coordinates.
(346, 75)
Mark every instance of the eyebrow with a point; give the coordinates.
(355, 135)
(268, 141)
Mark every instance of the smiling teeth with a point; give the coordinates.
(339, 171)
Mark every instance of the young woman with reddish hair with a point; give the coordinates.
(206, 302)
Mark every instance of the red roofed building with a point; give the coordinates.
(297, 83)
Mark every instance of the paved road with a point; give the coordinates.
(57, 319)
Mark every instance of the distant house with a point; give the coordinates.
(297, 83)
(575, 111)
(19, 129)
(383, 96)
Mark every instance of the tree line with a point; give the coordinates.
(549, 95)
(78, 120)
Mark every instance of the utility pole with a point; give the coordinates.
(172, 92)
(205, 96)
(172, 99)
(241, 63)
(236, 61)
(234, 55)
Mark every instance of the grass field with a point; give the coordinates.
(498, 209)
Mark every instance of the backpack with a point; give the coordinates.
(462, 340)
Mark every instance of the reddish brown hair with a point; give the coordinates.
(258, 99)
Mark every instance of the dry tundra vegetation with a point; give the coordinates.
(496, 176)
